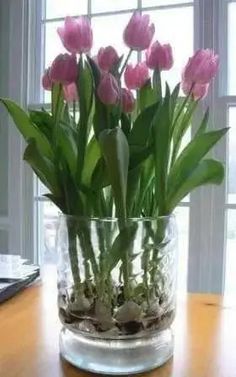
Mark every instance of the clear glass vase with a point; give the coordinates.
(116, 292)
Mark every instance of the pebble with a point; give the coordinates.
(113, 332)
(103, 316)
(155, 309)
(129, 312)
(81, 304)
(86, 326)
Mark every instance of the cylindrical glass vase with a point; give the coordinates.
(116, 292)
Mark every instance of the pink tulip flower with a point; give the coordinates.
(135, 77)
(46, 81)
(70, 92)
(127, 101)
(159, 56)
(107, 57)
(64, 69)
(108, 90)
(202, 67)
(139, 32)
(76, 34)
(198, 91)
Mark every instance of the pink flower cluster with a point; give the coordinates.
(77, 37)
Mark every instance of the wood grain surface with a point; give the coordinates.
(205, 336)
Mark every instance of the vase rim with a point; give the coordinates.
(114, 219)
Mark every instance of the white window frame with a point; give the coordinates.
(207, 238)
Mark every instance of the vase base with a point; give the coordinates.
(116, 357)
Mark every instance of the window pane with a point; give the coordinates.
(147, 3)
(231, 48)
(106, 34)
(62, 8)
(230, 271)
(112, 5)
(47, 230)
(53, 44)
(182, 218)
(175, 26)
(232, 156)
(53, 47)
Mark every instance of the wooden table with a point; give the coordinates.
(205, 330)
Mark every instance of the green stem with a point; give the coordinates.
(73, 255)
(157, 83)
(74, 111)
(182, 107)
(126, 276)
(102, 288)
(57, 116)
(125, 62)
(87, 248)
(158, 240)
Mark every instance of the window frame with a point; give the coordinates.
(208, 206)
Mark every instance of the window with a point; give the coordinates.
(206, 251)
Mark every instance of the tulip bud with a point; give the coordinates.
(202, 67)
(159, 57)
(198, 91)
(139, 32)
(64, 69)
(70, 92)
(135, 77)
(76, 34)
(108, 90)
(127, 101)
(107, 57)
(46, 81)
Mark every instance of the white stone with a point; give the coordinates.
(155, 309)
(81, 304)
(86, 326)
(128, 312)
(103, 315)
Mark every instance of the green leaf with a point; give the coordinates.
(115, 69)
(85, 90)
(133, 183)
(206, 172)
(121, 246)
(157, 84)
(146, 177)
(190, 157)
(181, 127)
(203, 126)
(161, 135)
(146, 96)
(138, 155)
(101, 115)
(27, 128)
(174, 98)
(44, 122)
(59, 202)
(140, 132)
(57, 101)
(100, 176)
(68, 147)
(115, 150)
(95, 71)
(42, 167)
(125, 124)
(100, 119)
(92, 156)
